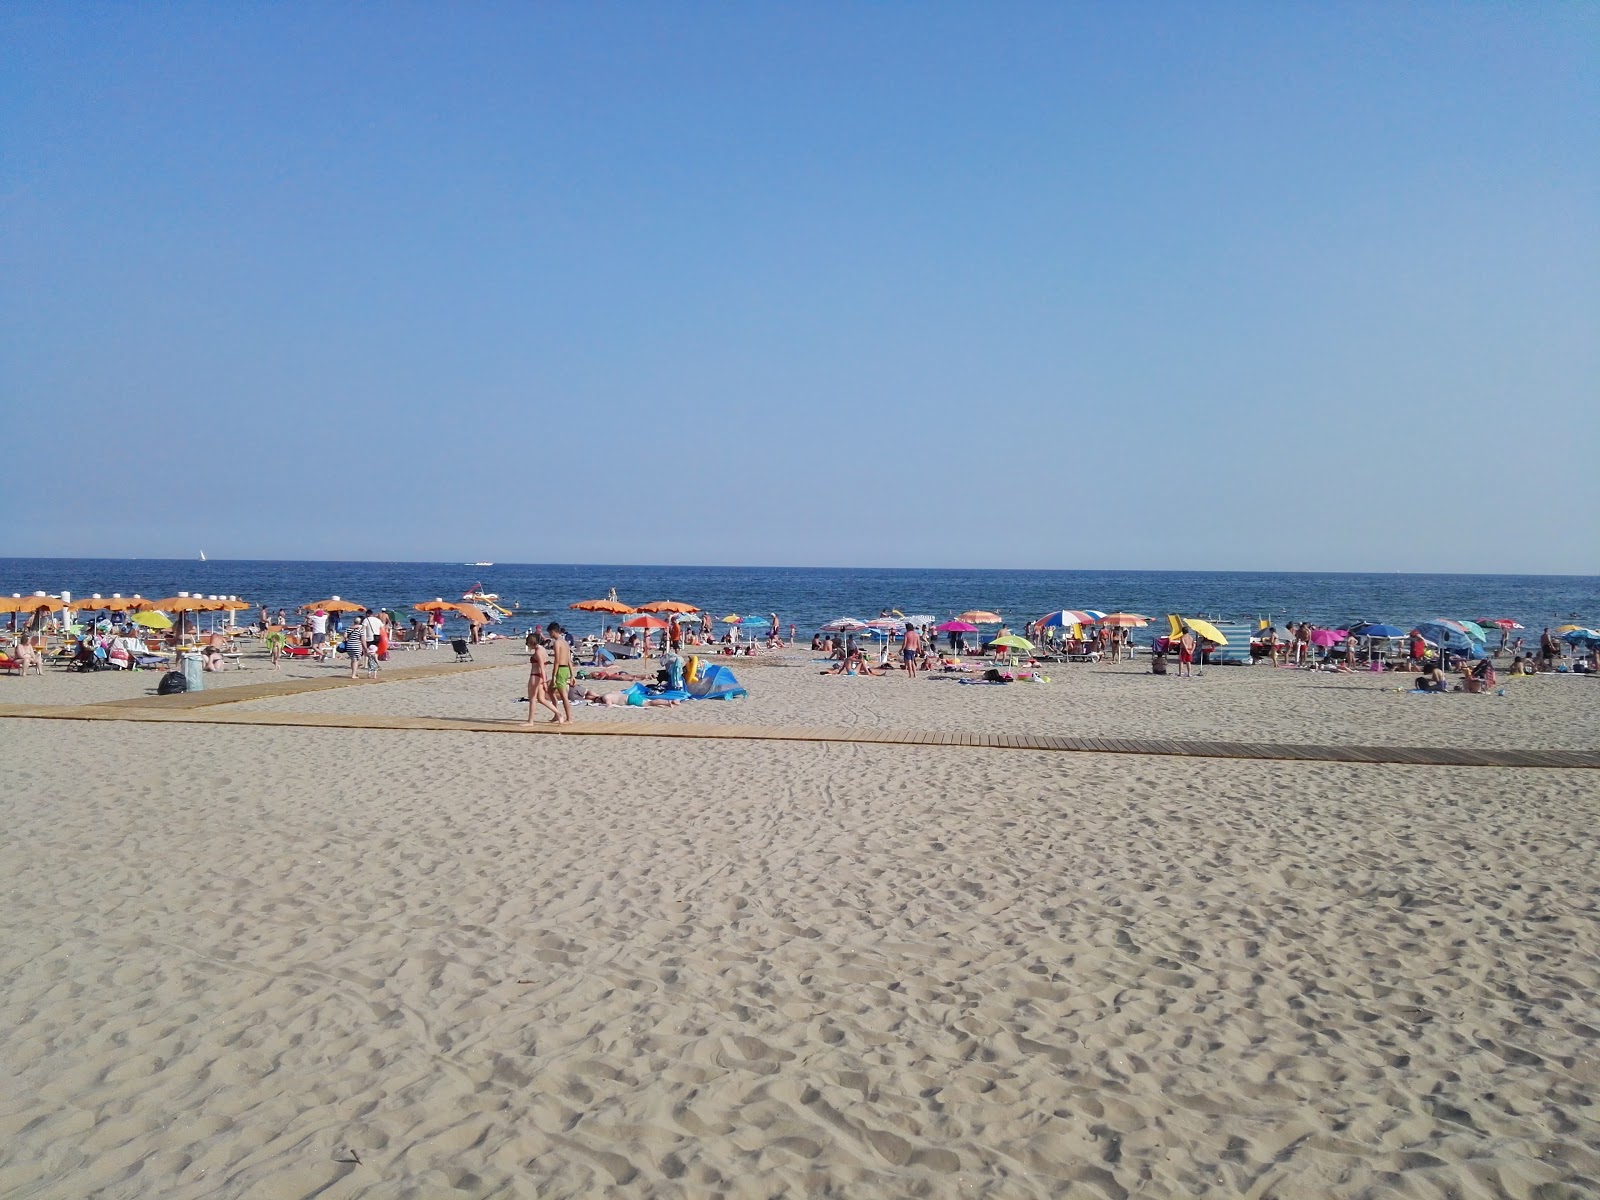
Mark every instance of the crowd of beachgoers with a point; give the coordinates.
(137, 634)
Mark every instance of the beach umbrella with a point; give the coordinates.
(1499, 622)
(1122, 620)
(1210, 632)
(886, 624)
(956, 627)
(332, 604)
(152, 619)
(128, 604)
(185, 604)
(733, 619)
(473, 613)
(1011, 640)
(979, 616)
(616, 607)
(33, 604)
(1323, 637)
(844, 625)
(645, 622)
(1567, 628)
(666, 606)
(1378, 631)
(436, 605)
(1475, 631)
(1578, 636)
(1065, 618)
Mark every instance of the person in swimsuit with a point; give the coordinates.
(911, 649)
(1186, 655)
(561, 676)
(538, 677)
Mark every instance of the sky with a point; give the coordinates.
(1229, 286)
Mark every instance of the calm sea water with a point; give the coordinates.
(807, 597)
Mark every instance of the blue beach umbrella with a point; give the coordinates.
(1580, 636)
(1378, 631)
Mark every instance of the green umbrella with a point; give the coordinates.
(1013, 641)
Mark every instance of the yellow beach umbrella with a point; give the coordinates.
(152, 620)
(1206, 630)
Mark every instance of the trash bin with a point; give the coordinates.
(193, 673)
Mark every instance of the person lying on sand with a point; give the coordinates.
(632, 698)
(621, 676)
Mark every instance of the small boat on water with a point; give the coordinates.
(480, 564)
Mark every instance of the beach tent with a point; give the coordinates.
(715, 683)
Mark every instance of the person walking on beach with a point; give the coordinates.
(539, 677)
(354, 646)
(273, 640)
(911, 649)
(560, 675)
(1186, 655)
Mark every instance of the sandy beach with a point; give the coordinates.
(289, 962)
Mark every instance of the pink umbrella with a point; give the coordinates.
(956, 627)
(1327, 637)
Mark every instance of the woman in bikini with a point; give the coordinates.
(539, 679)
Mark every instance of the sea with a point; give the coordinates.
(807, 597)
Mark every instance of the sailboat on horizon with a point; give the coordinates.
(202, 556)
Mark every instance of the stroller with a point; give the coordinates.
(87, 657)
(463, 651)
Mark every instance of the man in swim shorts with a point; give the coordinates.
(1186, 646)
(561, 674)
(911, 649)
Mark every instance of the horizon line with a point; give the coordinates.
(815, 567)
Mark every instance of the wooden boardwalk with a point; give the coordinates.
(212, 708)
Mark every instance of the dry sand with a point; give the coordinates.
(287, 962)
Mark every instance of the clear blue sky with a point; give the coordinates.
(1276, 286)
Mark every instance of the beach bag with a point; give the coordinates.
(172, 684)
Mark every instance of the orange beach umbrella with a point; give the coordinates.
(439, 605)
(645, 623)
(183, 604)
(334, 604)
(605, 606)
(978, 616)
(1122, 620)
(473, 613)
(667, 606)
(30, 604)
